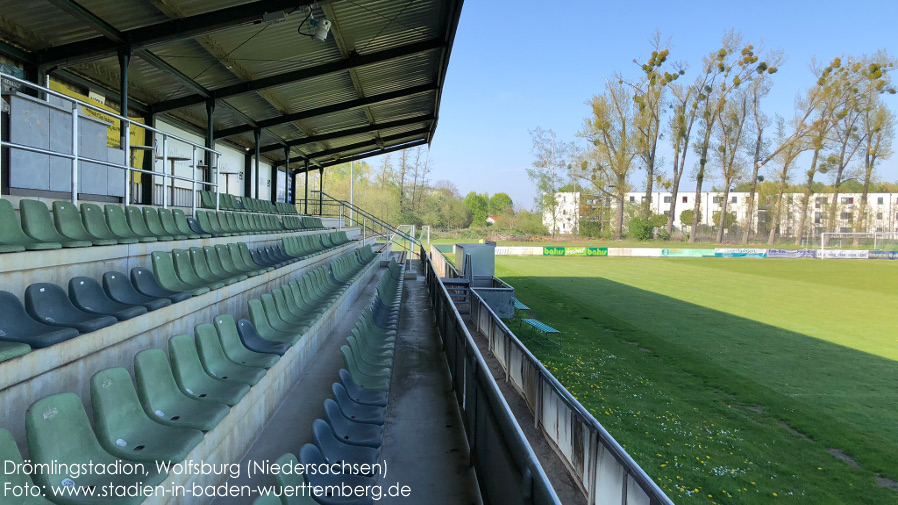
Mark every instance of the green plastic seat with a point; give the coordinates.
(276, 321)
(234, 348)
(9, 451)
(379, 381)
(125, 430)
(204, 271)
(207, 200)
(216, 362)
(58, 431)
(202, 218)
(186, 272)
(164, 402)
(184, 227)
(12, 238)
(278, 304)
(169, 226)
(286, 305)
(238, 259)
(218, 269)
(137, 223)
(164, 272)
(193, 380)
(68, 222)
(37, 224)
(259, 320)
(151, 217)
(118, 224)
(227, 263)
(95, 223)
(248, 258)
(10, 350)
(292, 480)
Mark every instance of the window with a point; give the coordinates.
(818, 217)
(845, 229)
(632, 199)
(879, 229)
(716, 199)
(880, 200)
(735, 199)
(685, 199)
(848, 200)
(879, 215)
(666, 199)
(845, 215)
(790, 199)
(817, 204)
(767, 201)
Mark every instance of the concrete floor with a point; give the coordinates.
(424, 444)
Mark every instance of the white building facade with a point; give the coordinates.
(881, 213)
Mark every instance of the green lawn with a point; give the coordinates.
(731, 380)
(620, 243)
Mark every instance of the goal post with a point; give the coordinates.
(848, 241)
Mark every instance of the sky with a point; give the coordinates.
(518, 65)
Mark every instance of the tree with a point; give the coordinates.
(613, 145)
(730, 220)
(649, 96)
(478, 207)
(500, 203)
(791, 148)
(688, 216)
(552, 160)
(878, 128)
(759, 88)
(725, 70)
(686, 106)
(730, 134)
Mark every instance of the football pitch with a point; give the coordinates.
(731, 380)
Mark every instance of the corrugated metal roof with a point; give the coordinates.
(263, 71)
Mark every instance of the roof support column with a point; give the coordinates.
(273, 196)
(248, 175)
(320, 191)
(256, 134)
(210, 140)
(288, 177)
(124, 61)
(306, 200)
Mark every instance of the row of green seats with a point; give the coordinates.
(161, 419)
(226, 224)
(92, 225)
(302, 223)
(352, 428)
(230, 202)
(306, 246)
(285, 314)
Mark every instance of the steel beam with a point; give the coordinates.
(87, 17)
(359, 145)
(351, 62)
(330, 109)
(378, 152)
(352, 131)
(166, 31)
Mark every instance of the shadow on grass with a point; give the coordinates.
(836, 395)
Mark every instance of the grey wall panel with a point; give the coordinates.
(60, 174)
(29, 170)
(92, 178)
(30, 126)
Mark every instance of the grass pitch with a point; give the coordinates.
(731, 380)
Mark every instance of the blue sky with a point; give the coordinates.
(522, 64)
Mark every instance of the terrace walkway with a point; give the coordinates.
(424, 443)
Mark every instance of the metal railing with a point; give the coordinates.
(127, 169)
(604, 470)
(325, 205)
(508, 471)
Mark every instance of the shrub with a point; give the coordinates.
(641, 229)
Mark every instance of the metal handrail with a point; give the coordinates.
(370, 217)
(534, 487)
(655, 493)
(126, 130)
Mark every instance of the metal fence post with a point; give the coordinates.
(126, 145)
(75, 153)
(193, 183)
(164, 173)
(217, 181)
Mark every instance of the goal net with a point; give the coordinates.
(830, 243)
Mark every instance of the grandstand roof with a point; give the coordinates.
(373, 85)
